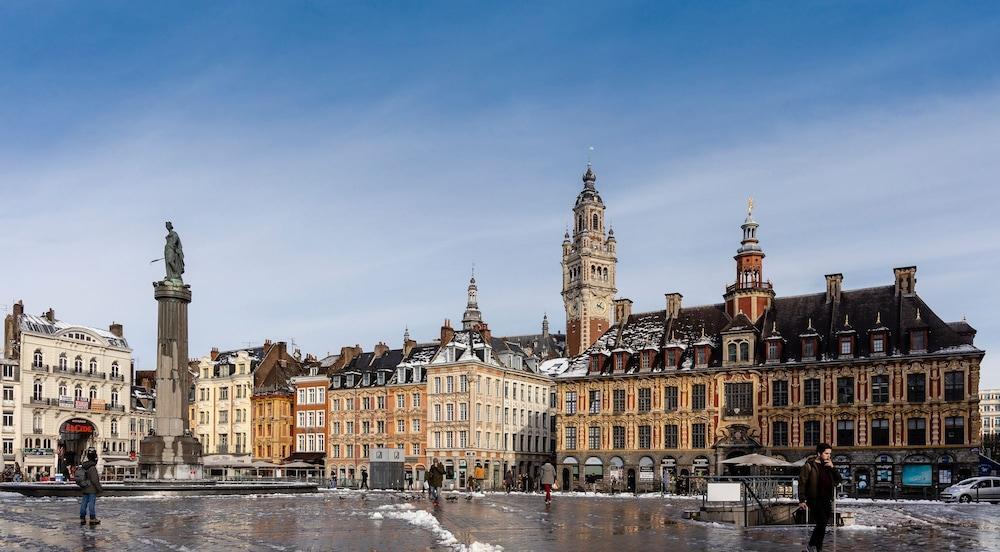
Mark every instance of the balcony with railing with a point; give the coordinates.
(118, 377)
(39, 367)
(70, 403)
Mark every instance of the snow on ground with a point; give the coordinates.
(426, 520)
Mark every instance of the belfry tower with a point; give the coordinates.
(751, 294)
(588, 266)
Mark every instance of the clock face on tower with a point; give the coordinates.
(574, 309)
(602, 307)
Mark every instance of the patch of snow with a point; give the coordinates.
(426, 520)
(860, 528)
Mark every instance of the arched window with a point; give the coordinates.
(93, 392)
(78, 391)
(37, 358)
(62, 389)
(36, 422)
(579, 223)
(37, 390)
(78, 364)
(605, 274)
(114, 397)
(93, 365)
(745, 351)
(595, 222)
(62, 362)
(732, 352)
(114, 369)
(114, 427)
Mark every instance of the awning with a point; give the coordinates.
(756, 460)
(987, 465)
(121, 463)
(301, 465)
(315, 458)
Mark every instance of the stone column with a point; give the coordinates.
(171, 453)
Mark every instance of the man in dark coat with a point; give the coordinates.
(435, 478)
(818, 481)
(508, 480)
(88, 502)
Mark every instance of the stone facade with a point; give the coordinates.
(874, 372)
(989, 409)
(223, 392)
(74, 389)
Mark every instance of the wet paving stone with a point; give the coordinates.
(352, 521)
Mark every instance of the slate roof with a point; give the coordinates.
(41, 325)
(540, 346)
(391, 364)
(789, 318)
(225, 363)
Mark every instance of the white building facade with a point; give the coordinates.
(989, 411)
(74, 393)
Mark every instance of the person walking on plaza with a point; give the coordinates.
(89, 482)
(435, 477)
(818, 481)
(508, 480)
(364, 478)
(548, 478)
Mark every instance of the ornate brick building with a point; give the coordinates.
(874, 372)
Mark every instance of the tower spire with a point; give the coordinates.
(472, 317)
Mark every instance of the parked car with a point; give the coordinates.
(975, 489)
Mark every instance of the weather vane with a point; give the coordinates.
(749, 206)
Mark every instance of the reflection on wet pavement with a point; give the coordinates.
(390, 522)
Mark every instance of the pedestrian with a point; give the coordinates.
(364, 479)
(530, 484)
(89, 482)
(508, 480)
(548, 478)
(818, 481)
(435, 477)
(333, 480)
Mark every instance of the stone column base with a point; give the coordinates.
(170, 457)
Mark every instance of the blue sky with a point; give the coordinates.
(335, 169)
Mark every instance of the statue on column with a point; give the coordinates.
(173, 256)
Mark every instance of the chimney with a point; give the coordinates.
(348, 354)
(906, 280)
(116, 329)
(447, 332)
(50, 315)
(267, 345)
(282, 349)
(380, 349)
(833, 284)
(674, 304)
(19, 308)
(214, 355)
(623, 309)
(12, 331)
(484, 330)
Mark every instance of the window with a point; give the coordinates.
(645, 436)
(673, 357)
(37, 359)
(954, 430)
(732, 352)
(463, 383)
(670, 436)
(772, 351)
(571, 402)
(463, 411)
(416, 400)
(78, 392)
(114, 397)
(698, 436)
(739, 399)
(744, 352)
(619, 362)
(878, 343)
(8, 418)
(93, 392)
(779, 434)
(595, 402)
(845, 390)
(619, 400)
(618, 437)
(645, 360)
(437, 385)
(916, 385)
(670, 398)
(450, 384)
(311, 396)
(812, 392)
(571, 438)
(366, 427)
(918, 340)
(880, 389)
(809, 347)
(78, 365)
(415, 424)
(416, 449)
(701, 356)
(954, 386)
(400, 401)
(449, 439)
(845, 433)
(366, 403)
(698, 396)
(811, 433)
(779, 393)
(8, 392)
(916, 431)
(645, 399)
(845, 345)
(880, 432)
(349, 428)
(223, 393)
(594, 438)
(36, 391)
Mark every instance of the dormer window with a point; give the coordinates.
(336, 382)
(673, 357)
(808, 348)
(595, 363)
(350, 380)
(366, 379)
(846, 346)
(381, 378)
(732, 352)
(401, 375)
(918, 341)
(878, 343)
(701, 355)
(645, 361)
(619, 362)
(774, 350)
(744, 352)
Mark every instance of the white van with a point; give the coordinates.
(975, 489)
